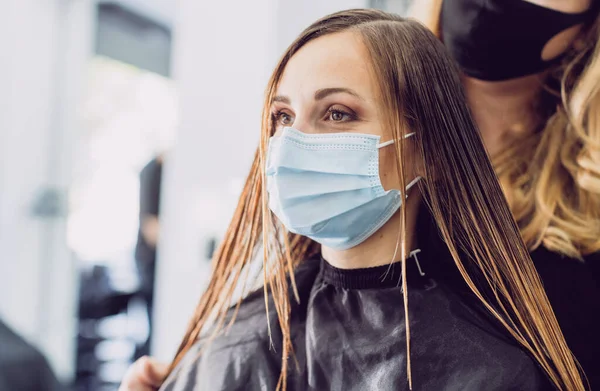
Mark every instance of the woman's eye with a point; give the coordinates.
(338, 116)
(283, 118)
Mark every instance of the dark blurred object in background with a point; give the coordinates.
(145, 250)
(129, 36)
(112, 327)
(22, 367)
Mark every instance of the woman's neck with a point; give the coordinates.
(505, 110)
(379, 249)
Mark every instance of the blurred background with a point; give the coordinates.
(120, 120)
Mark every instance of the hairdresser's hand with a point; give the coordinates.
(146, 374)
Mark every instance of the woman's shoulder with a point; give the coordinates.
(249, 321)
(244, 355)
(253, 307)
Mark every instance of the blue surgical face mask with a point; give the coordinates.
(327, 186)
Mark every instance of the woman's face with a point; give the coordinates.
(327, 87)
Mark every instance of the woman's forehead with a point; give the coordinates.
(339, 59)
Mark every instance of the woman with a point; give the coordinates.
(531, 71)
(381, 110)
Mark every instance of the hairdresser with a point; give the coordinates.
(531, 71)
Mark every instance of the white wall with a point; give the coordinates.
(60, 276)
(224, 53)
(293, 16)
(25, 112)
(42, 42)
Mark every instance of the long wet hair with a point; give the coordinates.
(551, 177)
(420, 91)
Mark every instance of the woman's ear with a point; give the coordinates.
(388, 163)
(417, 159)
(388, 167)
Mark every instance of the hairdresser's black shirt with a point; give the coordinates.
(573, 288)
(349, 335)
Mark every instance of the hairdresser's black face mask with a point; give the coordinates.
(501, 39)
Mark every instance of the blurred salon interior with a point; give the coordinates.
(123, 149)
(127, 128)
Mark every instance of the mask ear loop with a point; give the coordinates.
(411, 184)
(390, 142)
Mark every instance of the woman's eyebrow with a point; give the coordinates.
(281, 98)
(324, 92)
(321, 94)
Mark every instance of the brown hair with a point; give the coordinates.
(420, 91)
(551, 178)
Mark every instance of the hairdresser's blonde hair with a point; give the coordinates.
(421, 91)
(551, 178)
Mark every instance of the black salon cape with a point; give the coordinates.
(349, 335)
